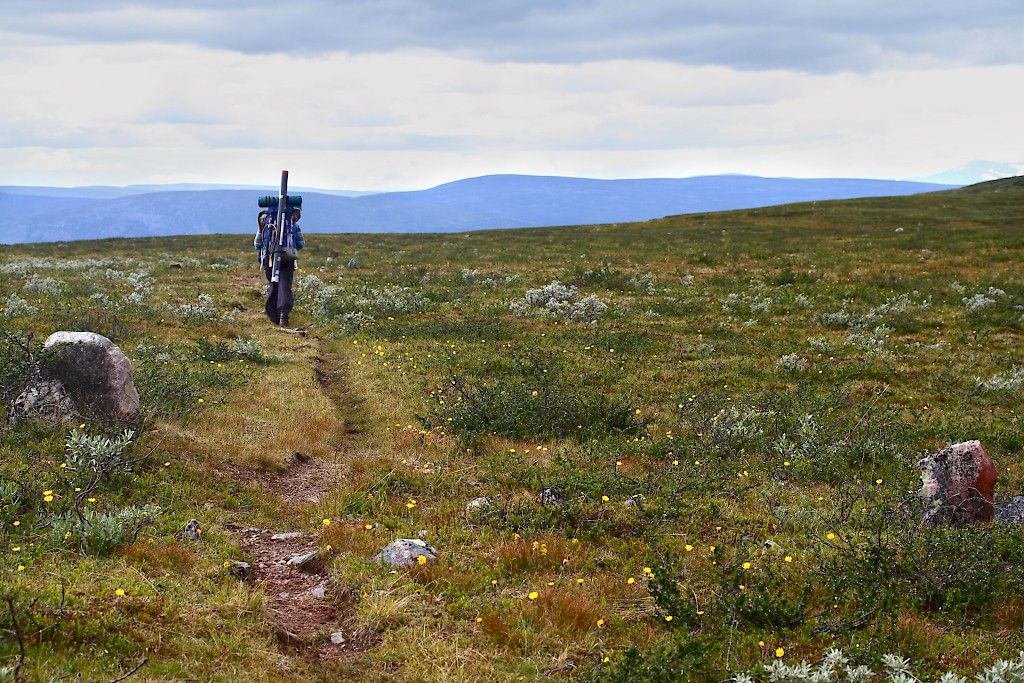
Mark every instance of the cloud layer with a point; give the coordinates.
(406, 93)
(803, 35)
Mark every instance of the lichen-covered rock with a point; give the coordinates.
(1012, 511)
(85, 375)
(96, 374)
(957, 485)
(551, 498)
(405, 551)
(45, 400)
(476, 508)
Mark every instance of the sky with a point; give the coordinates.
(404, 94)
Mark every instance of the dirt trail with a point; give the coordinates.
(306, 615)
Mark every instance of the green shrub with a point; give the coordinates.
(519, 410)
(100, 533)
(96, 456)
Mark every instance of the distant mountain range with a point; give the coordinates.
(975, 172)
(45, 214)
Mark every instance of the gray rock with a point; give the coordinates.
(241, 570)
(288, 536)
(319, 591)
(635, 501)
(404, 551)
(551, 497)
(93, 374)
(192, 531)
(45, 400)
(1012, 511)
(304, 561)
(477, 506)
(338, 638)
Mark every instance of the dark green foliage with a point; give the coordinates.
(681, 657)
(532, 399)
(885, 561)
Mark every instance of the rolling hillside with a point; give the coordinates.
(498, 201)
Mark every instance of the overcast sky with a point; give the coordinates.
(394, 94)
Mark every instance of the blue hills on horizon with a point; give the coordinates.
(42, 214)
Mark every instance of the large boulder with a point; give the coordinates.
(85, 374)
(957, 485)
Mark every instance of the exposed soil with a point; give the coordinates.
(306, 614)
(305, 480)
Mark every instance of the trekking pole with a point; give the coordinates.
(282, 206)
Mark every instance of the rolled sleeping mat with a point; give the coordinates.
(267, 201)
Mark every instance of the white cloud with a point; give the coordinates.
(149, 112)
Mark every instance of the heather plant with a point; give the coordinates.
(1003, 382)
(791, 363)
(96, 456)
(46, 286)
(15, 307)
(100, 533)
(560, 301)
(836, 667)
(201, 310)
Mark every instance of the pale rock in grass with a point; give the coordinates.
(94, 378)
(550, 497)
(957, 485)
(1012, 511)
(304, 561)
(405, 551)
(192, 531)
(241, 570)
(476, 508)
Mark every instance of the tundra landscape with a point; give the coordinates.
(682, 449)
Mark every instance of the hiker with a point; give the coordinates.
(279, 294)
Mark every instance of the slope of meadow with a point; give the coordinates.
(730, 446)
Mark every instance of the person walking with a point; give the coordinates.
(279, 300)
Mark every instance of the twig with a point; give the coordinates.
(130, 673)
(17, 635)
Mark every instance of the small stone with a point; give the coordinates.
(304, 561)
(476, 507)
(241, 570)
(957, 485)
(1012, 511)
(192, 531)
(319, 591)
(405, 551)
(288, 536)
(551, 497)
(634, 501)
(422, 533)
(338, 638)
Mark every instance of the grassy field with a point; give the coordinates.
(726, 409)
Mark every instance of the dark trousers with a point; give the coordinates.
(279, 294)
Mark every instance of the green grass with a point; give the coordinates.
(760, 388)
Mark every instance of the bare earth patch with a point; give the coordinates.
(304, 480)
(304, 614)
